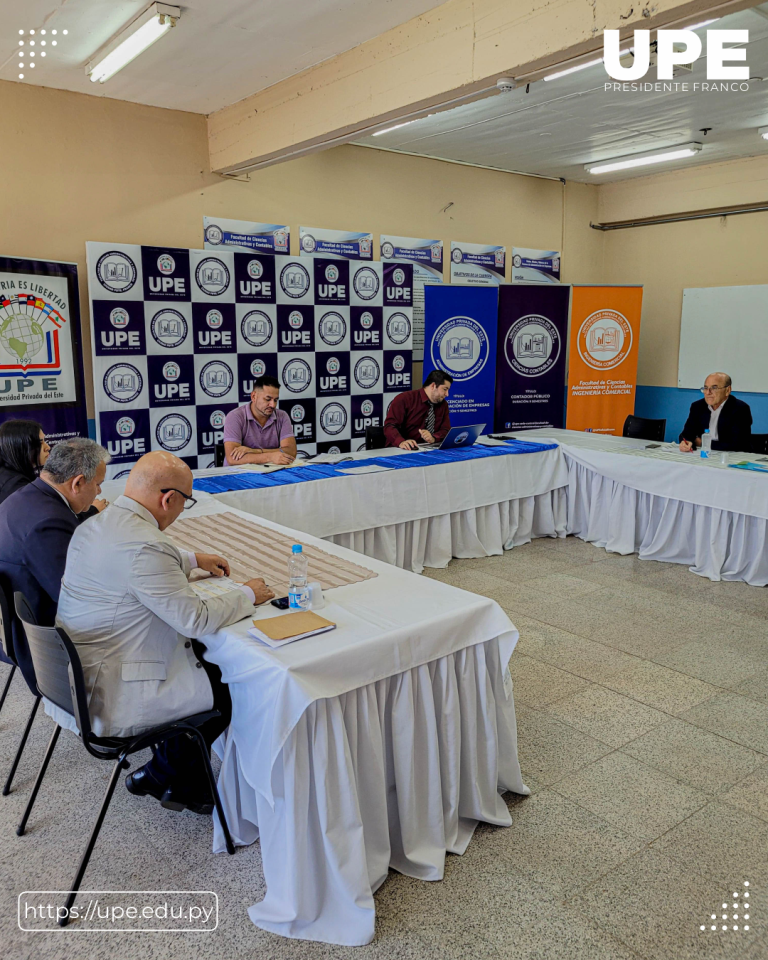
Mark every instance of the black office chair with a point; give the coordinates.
(218, 455)
(374, 438)
(8, 617)
(60, 678)
(642, 428)
(759, 443)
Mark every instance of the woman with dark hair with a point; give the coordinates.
(23, 451)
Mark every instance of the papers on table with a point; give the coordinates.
(209, 587)
(276, 631)
(368, 468)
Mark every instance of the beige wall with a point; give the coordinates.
(97, 169)
(723, 251)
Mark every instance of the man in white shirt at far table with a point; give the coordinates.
(127, 604)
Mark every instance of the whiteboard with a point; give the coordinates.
(725, 328)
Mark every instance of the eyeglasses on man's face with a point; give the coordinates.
(712, 389)
(189, 501)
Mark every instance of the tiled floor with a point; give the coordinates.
(642, 696)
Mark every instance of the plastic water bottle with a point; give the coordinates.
(706, 444)
(298, 590)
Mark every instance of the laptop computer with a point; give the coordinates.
(456, 437)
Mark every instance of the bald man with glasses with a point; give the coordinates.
(728, 419)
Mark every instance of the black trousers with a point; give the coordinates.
(177, 762)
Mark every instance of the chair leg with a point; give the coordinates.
(7, 684)
(121, 764)
(33, 796)
(22, 744)
(215, 791)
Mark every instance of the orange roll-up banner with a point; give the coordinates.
(602, 364)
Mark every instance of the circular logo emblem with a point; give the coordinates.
(255, 269)
(212, 276)
(398, 328)
(119, 476)
(456, 255)
(119, 318)
(171, 370)
(460, 346)
(166, 264)
(366, 320)
(294, 280)
(387, 250)
(308, 243)
(295, 319)
(125, 426)
(302, 455)
(332, 273)
(173, 432)
(333, 365)
(214, 319)
(217, 419)
(398, 277)
(296, 375)
(332, 328)
(333, 419)
(366, 407)
(517, 260)
(297, 413)
(605, 339)
(366, 283)
(532, 346)
(214, 234)
(361, 447)
(169, 328)
(258, 367)
(123, 383)
(367, 373)
(256, 328)
(460, 438)
(556, 264)
(333, 449)
(216, 378)
(116, 271)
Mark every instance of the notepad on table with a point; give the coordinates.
(276, 631)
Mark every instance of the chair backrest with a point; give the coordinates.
(6, 620)
(643, 428)
(760, 443)
(58, 669)
(374, 438)
(218, 455)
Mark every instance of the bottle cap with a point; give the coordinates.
(296, 548)
(707, 430)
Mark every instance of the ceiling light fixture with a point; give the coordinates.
(397, 126)
(132, 41)
(704, 23)
(581, 66)
(644, 159)
(763, 131)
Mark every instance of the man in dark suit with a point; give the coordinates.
(37, 523)
(728, 419)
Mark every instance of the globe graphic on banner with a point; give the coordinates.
(21, 337)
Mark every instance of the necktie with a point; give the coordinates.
(430, 425)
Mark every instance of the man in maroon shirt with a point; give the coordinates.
(420, 416)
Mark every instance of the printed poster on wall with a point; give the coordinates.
(477, 264)
(535, 266)
(341, 244)
(180, 335)
(246, 235)
(530, 368)
(426, 256)
(602, 366)
(460, 338)
(41, 364)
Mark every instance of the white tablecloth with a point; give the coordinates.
(378, 745)
(423, 517)
(666, 505)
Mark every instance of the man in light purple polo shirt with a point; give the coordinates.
(258, 432)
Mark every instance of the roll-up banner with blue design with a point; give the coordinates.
(460, 338)
(530, 370)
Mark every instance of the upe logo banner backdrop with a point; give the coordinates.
(530, 368)
(427, 259)
(41, 363)
(460, 338)
(602, 365)
(180, 335)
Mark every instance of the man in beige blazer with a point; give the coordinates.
(127, 604)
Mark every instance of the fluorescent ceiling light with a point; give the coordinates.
(763, 131)
(644, 159)
(581, 66)
(397, 126)
(698, 26)
(140, 34)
